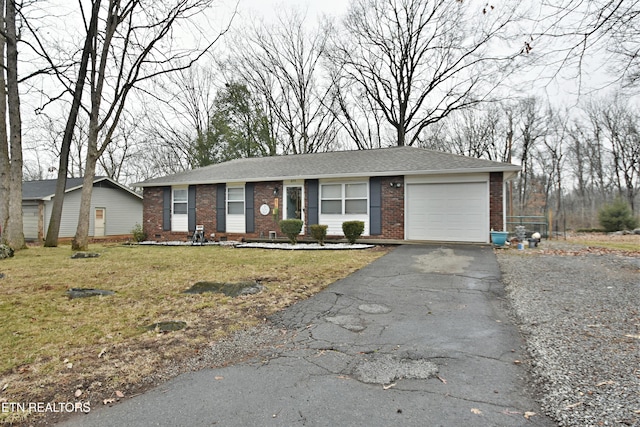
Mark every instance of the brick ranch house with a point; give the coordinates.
(401, 193)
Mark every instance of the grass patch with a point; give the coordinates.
(629, 242)
(51, 346)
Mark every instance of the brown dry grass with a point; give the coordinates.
(52, 346)
(629, 242)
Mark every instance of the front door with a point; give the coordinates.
(293, 202)
(99, 223)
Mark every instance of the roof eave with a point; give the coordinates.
(511, 170)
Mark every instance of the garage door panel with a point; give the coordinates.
(30, 215)
(448, 212)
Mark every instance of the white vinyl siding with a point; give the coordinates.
(179, 209)
(343, 201)
(447, 211)
(235, 210)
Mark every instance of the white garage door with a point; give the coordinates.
(454, 212)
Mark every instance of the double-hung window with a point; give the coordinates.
(355, 198)
(343, 199)
(331, 199)
(235, 200)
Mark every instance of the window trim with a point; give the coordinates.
(175, 201)
(178, 218)
(229, 201)
(343, 197)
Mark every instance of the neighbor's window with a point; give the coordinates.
(341, 199)
(180, 201)
(235, 200)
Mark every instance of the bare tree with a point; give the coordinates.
(181, 117)
(14, 235)
(621, 125)
(532, 129)
(419, 61)
(124, 149)
(477, 133)
(358, 114)
(571, 34)
(282, 63)
(53, 230)
(133, 46)
(551, 158)
(4, 140)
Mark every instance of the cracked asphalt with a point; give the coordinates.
(422, 336)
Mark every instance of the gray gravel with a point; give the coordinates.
(580, 315)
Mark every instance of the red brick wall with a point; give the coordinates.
(152, 212)
(496, 201)
(263, 194)
(206, 208)
(392, 208)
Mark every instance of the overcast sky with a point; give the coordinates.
(315, 8)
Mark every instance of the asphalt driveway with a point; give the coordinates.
(421, 336)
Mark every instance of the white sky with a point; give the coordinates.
(314, 8)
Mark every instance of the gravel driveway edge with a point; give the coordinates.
(580, 315)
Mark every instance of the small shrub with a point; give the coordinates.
(291, 228)
(352, 230)
(139, 234)
(617, 216)
(319, 232)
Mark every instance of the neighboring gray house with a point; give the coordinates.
(115, 209)
(400, 193)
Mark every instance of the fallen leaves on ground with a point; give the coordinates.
(589, 250)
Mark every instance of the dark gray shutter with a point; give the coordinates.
(375, 206)
(166, 208)
(249, 209)
(191, 208)
(221, 208)
(312, 198)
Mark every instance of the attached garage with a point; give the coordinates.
(447, 211)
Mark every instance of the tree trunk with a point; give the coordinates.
(81, 240)
(14, 235)
(4, 142)
(401, 135)
(56, 213)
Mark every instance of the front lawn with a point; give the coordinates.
(53, 348)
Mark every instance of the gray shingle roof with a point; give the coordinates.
(46, 188)
(359, 163)
(37, 190)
